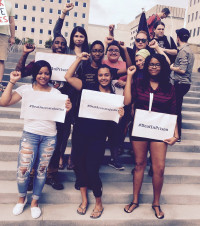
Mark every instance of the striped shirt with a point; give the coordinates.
(162, 102)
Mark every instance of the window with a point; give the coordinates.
(83, 25)
(34, 8)
(25, 6)
(194, 2)
(59, 11)
(51, 0)
(40, 42)
(24, 29)
(24, 17)
(59, 1)
(83, 15)
(192, 17)
(32, 30)
(49, 32)
(16, 5)
(190, 2)
(42, 9)
(68, 1)
(33, 19)
(41, 31)
(190, 32)
(76, 3)
(196, 17)
(84, 4)
(41, 20)
(66, 24)
(194, 32)
(15, 28)
(75, 14)
(16, 17)
(66, 34)
(50, 10)
(188, 18)
(50, 21)
(198, 31)
(67, 13)
(75, 24)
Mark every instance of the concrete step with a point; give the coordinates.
(190, 107)
(194, 88)
(113, 193)
(6, 77)
(65, 214)
(173, 175)
(190, 134)
(191, 124)
(9, 113)
(191, 100)
(189, 115)
(193, 94)
(10, 124)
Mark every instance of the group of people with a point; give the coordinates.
(152, 66)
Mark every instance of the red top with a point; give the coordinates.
(150, 22)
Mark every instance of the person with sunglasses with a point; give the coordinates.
(156, 81)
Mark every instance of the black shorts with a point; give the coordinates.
(144, 139)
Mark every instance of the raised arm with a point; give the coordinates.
(73, 81)
(58, 26)
(127, 90)
(12, 30)
(127, 57)
(9, 98)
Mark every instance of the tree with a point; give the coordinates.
(29, 41)
(17, 40)
(48, 43)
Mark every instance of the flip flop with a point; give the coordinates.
(130, 205)
(158, 216)
(100, 211)
(84, 210)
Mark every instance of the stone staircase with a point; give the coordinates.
(180, 198)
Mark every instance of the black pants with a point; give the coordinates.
(63, 132)
(88, 153)
(181, 90)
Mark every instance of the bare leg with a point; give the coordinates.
(140, 154)
(98, 209)
(2, 66)
(34, 203)
(83, 206)
(158, 156)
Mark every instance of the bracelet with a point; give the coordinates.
(64, 13)
(12, 82)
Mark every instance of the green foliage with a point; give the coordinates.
(48, 43)
(17, 40)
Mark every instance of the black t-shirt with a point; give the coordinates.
(164, 43)
(92, 127)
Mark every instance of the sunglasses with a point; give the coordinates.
(143, 40)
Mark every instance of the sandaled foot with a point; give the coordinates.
(158, 212)
(82, 209)
(61, 167)
(96, 213)
(132, 206)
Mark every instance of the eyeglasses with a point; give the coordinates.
(154, 65)
(143, 40)
(113, 50)
(97, 51)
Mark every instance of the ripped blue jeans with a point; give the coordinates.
(34, 150)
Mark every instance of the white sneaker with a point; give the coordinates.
(35, 212)
(19, 208)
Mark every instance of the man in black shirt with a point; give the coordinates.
(165, 42)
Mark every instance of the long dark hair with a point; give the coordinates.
(37, 66)
(164, 75)
(80, 29)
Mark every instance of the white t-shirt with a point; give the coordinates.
(40, 127)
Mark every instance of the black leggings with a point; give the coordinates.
(88, 153)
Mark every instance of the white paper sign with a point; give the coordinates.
(44, 106)
(99, 105)
(60, 63)
(4, 20)
(153, 125)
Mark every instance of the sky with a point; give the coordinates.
(105, 12)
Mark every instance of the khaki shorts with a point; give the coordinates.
(3, 46)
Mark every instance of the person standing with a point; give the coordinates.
(7, 35)
(182, 71)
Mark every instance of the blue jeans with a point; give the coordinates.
(34, 150)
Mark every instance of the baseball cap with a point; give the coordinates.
(183, 33)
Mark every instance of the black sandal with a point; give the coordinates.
(83, 209)
(159, 217)
(130, 205)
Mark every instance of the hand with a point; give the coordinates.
(11, 40)
(28, 48)
(153, 44)
(68, 105)
(68, 7)
(121, 112)
(111, 28)
(131, 70)
(109, 39)
(84, 56)
(120, 84)
(122, 45)
(171, 140)
(15, 76)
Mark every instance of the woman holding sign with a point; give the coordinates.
(156, 81)
(89, 137)
(38, 139)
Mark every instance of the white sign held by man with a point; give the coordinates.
(4, 20)
(60, 63)
(99, 105)
(44, 106)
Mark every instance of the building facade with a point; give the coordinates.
(193, 21)
(35, 19)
